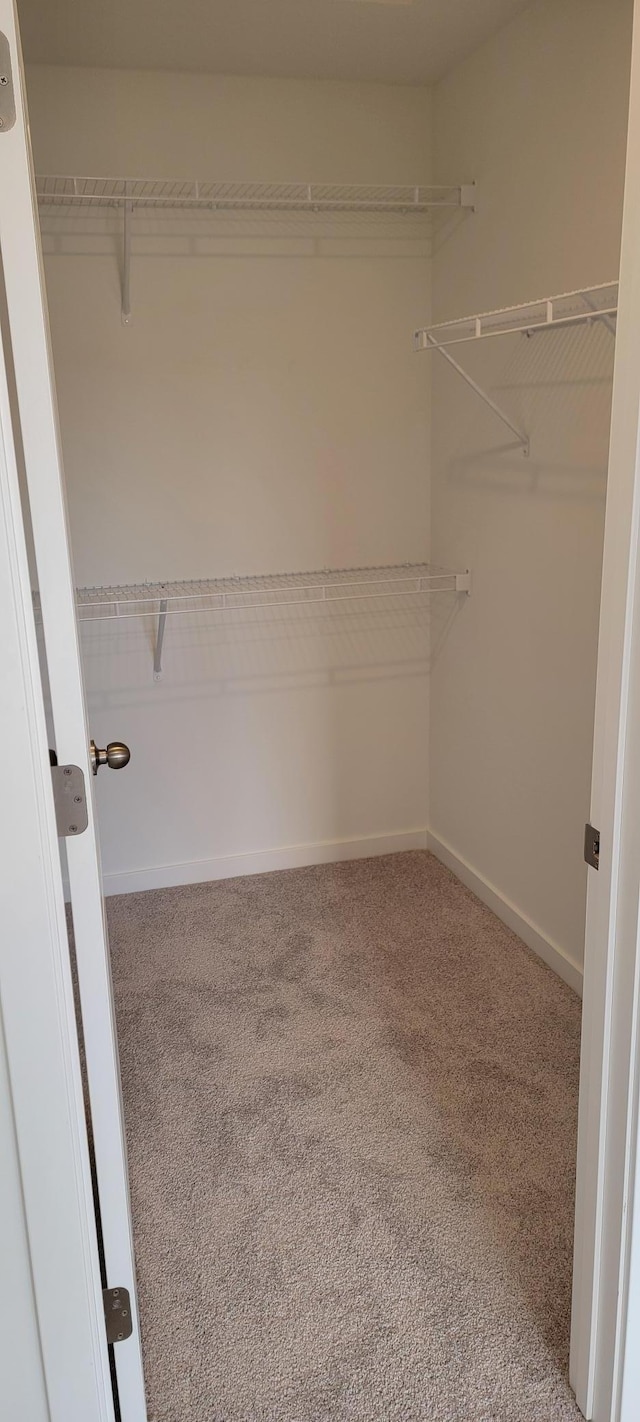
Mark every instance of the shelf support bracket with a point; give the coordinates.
(127, 210)
(607, 321)
(157, 656)
(523, 439)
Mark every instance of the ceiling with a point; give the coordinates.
(392, 41)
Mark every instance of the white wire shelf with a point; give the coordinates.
(58, 190)
(325, 587)
(595, 303)
(269, 590)
(588, 306)
(128, 195)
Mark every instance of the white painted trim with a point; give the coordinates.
(46, 1102)
(609, 1058)
(262, 861)
(336, 851)
(36, 411)
(627, 1360)
(544, 947)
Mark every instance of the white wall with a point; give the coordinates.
(263, 412)
(538, 117)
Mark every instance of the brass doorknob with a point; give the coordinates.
(116, 756)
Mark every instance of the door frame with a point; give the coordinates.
(44, 1072)
(610, 1053)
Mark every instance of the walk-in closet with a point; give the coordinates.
(332, 291)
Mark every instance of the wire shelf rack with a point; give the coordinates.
(594, 303)
(590, 305)
(59, 190)
(325, 588)
(398, 202)
(269, 590)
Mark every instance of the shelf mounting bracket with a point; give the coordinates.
(523, 439)
(607, 321)
(127, 213)
(157, 656)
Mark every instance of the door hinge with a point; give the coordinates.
(592, 846)
(117, 1314)
(7, 95)
(70, 800)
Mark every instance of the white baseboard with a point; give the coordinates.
(296, 856)
(534, 938)
(230, 866)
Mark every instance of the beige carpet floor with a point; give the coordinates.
(350, 1097)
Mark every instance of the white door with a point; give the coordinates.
(35, 412)
(602, 1346)
(54, 1365)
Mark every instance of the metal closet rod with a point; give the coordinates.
(585, 306)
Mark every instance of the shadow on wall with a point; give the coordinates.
(267, 730)
(270, 728)
(557, 387)
(213, 654)
(99, 231)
